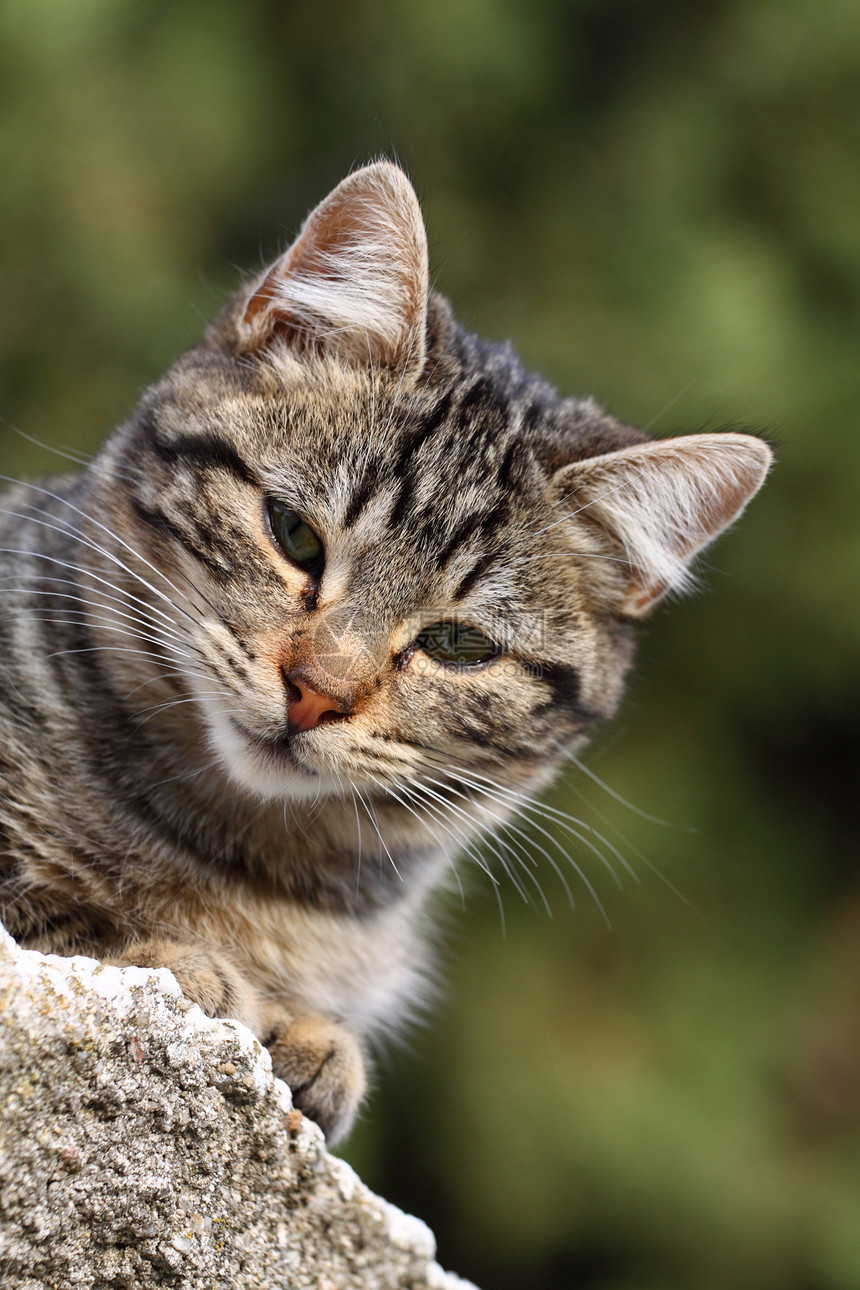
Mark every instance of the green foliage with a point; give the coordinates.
(658, 203)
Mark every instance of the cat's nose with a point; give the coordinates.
(308, 707)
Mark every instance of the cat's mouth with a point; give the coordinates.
(278, 750)
(281, 762)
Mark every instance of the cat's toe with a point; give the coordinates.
(203, 975)
(322, 1063)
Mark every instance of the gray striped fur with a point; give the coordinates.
(157, 808)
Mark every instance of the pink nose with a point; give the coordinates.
(307, 707)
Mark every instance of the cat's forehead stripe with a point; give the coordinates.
(204, 450)
(506, 465)
(474, 397)
(468, 528)
(469, 580)
(469, 450)
(417, 435)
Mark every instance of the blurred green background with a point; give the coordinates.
(660, 204)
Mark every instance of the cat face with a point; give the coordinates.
(397, 548)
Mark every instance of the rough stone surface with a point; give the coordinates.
(144, 1144)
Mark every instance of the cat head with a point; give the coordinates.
(396, 548)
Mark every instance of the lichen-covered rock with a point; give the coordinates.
(144, 1144)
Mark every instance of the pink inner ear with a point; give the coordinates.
(263, 299)
(314, 254)
(664, 501)
(268, 319)
(355, 281)
(638, 602)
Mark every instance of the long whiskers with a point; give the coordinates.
(46, 616)
(89, 460)
(643, 815)
(528, 806)
(658, 873)
(526, 803)
(509, 826)
(461, 842)
(372, 817)
(515, 799)
(154, 709)
(422, 795)
(145, 620)
(67, 530)
(421, 789)
(89, 573)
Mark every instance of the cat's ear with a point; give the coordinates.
(354, 283)
(662, 502)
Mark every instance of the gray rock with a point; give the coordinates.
(145, 1144)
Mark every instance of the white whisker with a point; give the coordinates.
(143, 619)
(45, 616)
(90, 519)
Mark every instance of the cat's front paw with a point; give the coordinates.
(322, 1063)
(203, 974)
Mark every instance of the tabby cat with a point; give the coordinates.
(342, 592)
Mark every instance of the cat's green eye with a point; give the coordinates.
(296, 539)
(457, 644)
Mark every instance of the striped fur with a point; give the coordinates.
(158, 807)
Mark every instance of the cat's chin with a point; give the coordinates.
(268, 768)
